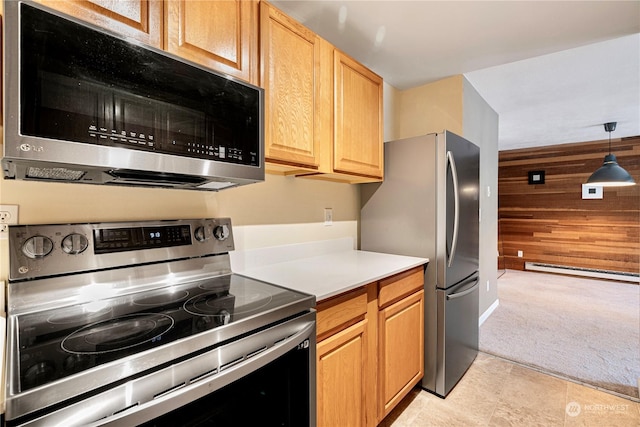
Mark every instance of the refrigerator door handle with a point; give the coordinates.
(456, 207)
(465, 292)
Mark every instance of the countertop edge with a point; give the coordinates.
(336, 292)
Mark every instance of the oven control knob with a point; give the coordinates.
(74, 243)
(39, 373)
(37, 247)
(221, 232)
(200, 234)
(224, 316)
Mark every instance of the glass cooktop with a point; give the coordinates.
(58, 343)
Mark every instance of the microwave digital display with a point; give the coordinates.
(86, 86)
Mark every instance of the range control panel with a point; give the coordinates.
(53, 249)
(107, 240)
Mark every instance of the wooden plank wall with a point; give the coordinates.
(552, 224)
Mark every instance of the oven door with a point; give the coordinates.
(267, 378)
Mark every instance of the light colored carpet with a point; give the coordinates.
(584, 329)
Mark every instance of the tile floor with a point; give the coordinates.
(496, 392)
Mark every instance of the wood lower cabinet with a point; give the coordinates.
(400, 350)
(342, 370)
(369, 350)
(400, 337)
(344, 361)
(137, 19)
(222, 35)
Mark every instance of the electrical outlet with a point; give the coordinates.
(328, 216)
(487, 286)
(4, 231)
(8, 214)
(520, 254)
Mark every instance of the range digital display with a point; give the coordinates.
(109, 240)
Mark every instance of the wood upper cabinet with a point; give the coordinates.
(323, 109)
(138, 19)
(357, 145)
(289, 73)
(221, 34)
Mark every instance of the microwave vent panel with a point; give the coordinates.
(59, 174)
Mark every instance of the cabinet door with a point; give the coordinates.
(400, 350)
(138, 19)
(341, 374)
(358, 117)
(221, 34)
(290, 67)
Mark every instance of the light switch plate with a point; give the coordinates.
(328, 216)
(590, 191)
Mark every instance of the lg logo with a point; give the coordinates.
(29, 147)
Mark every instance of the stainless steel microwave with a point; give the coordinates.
(84, 105)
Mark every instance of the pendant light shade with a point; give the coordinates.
(610, 174)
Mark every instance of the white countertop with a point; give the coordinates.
(323, 269)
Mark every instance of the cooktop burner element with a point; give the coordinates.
(162, 299)
(211, 304)
(118, 334)
(78, 314)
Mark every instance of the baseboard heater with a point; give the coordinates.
(586, 272)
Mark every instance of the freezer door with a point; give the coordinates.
(457, 333)
(462, 210)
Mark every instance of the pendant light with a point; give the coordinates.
(610, 173)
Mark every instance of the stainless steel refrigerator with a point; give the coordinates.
(428, 206)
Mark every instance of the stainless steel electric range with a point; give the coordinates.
(144, 323)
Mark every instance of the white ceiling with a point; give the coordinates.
(554, 71)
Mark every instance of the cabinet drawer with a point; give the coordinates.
(395, 287)
(341, 310)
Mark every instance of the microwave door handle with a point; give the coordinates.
(456, 207)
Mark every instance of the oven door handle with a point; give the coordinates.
(298, 333)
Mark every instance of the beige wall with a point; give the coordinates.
(391, 99)
(288, 209)
(431, 108)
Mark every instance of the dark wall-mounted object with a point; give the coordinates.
(536, 177)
